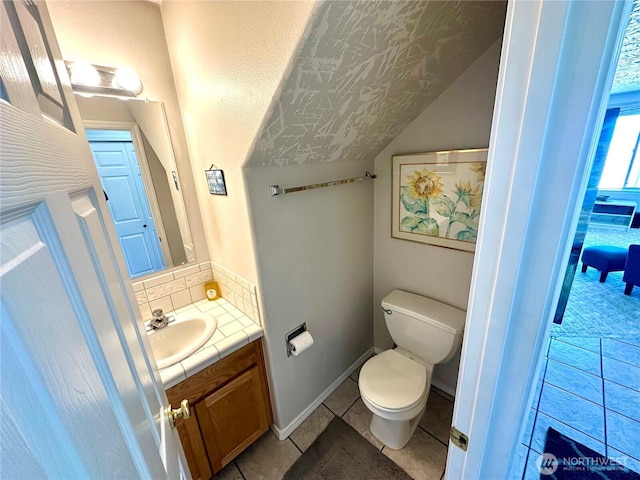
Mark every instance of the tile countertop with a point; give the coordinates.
(235, 330)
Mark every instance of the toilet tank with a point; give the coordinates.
(425, 327)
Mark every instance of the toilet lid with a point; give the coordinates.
(393, 381)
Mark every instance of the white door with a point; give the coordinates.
(121, 180)
(80, 398)
(555, 76)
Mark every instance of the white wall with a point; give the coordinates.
(228, 58)
(459, 118)
(315, 259)
(131, 34)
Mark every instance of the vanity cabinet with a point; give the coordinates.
(230, 409)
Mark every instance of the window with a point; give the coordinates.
(622, 166)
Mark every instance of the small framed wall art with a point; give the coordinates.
(215, 181)
(437, 197)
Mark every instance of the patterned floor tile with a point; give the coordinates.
(531, 471)
(575, 381)
(359, 417)
(314, 425)
(442, 393)
(543, 422)
(544, 362)
(592, 344)
(635, 340)
(621, 373)
(230, 472)
(620, 434)
(519, 463)
(423, 458)
(268, 458)
(437, 417)
(355, 376)
(578, 413)
(531, 421)
(622, 400)
(344, 396)
(624, 459)
(622, 351)
(537, 393)
(575, 356)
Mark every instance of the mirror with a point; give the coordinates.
(132, 149)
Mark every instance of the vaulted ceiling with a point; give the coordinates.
(364, 71)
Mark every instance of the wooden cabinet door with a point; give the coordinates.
(234, 416)
(194, 449)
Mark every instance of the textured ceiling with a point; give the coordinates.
(628, 70)
(365, 70)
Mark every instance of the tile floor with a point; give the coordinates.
(423, 458)
(589, 390)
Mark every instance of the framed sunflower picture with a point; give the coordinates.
(437, 197)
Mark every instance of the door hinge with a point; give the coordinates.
(459, 439)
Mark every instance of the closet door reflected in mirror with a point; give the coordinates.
(135, 161)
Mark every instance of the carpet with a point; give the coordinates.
(601, 310)
(341, 453)
(566, 459)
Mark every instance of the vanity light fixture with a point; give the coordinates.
(89, 78)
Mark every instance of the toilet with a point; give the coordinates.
(395, 384)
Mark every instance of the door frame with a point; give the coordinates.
(550, 104)
(143, 163)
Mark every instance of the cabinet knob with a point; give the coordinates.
(177, 413)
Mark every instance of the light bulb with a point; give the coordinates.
(127, 79)
(83, 73)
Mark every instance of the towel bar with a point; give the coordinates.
(276, 190)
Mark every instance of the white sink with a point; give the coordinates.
(181, 338)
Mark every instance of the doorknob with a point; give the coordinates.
(177, 413)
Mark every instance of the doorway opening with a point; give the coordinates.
(589, 384)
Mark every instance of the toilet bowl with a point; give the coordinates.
(394, 385)
(395, 389)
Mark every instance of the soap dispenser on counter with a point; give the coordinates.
(212, 290)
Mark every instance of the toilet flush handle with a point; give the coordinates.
(387, 311)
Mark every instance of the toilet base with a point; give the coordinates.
(394, 434)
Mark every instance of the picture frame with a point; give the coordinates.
(436, 197)
(216, 182)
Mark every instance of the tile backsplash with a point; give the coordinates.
(173, 290)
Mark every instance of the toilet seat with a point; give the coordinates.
(393, 384)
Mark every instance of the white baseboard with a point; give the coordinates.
(283, 433)
(445, 388)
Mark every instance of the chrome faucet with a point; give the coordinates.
(159, 320)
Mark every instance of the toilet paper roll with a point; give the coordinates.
(300, 343)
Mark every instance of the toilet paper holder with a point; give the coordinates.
(293, 334)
